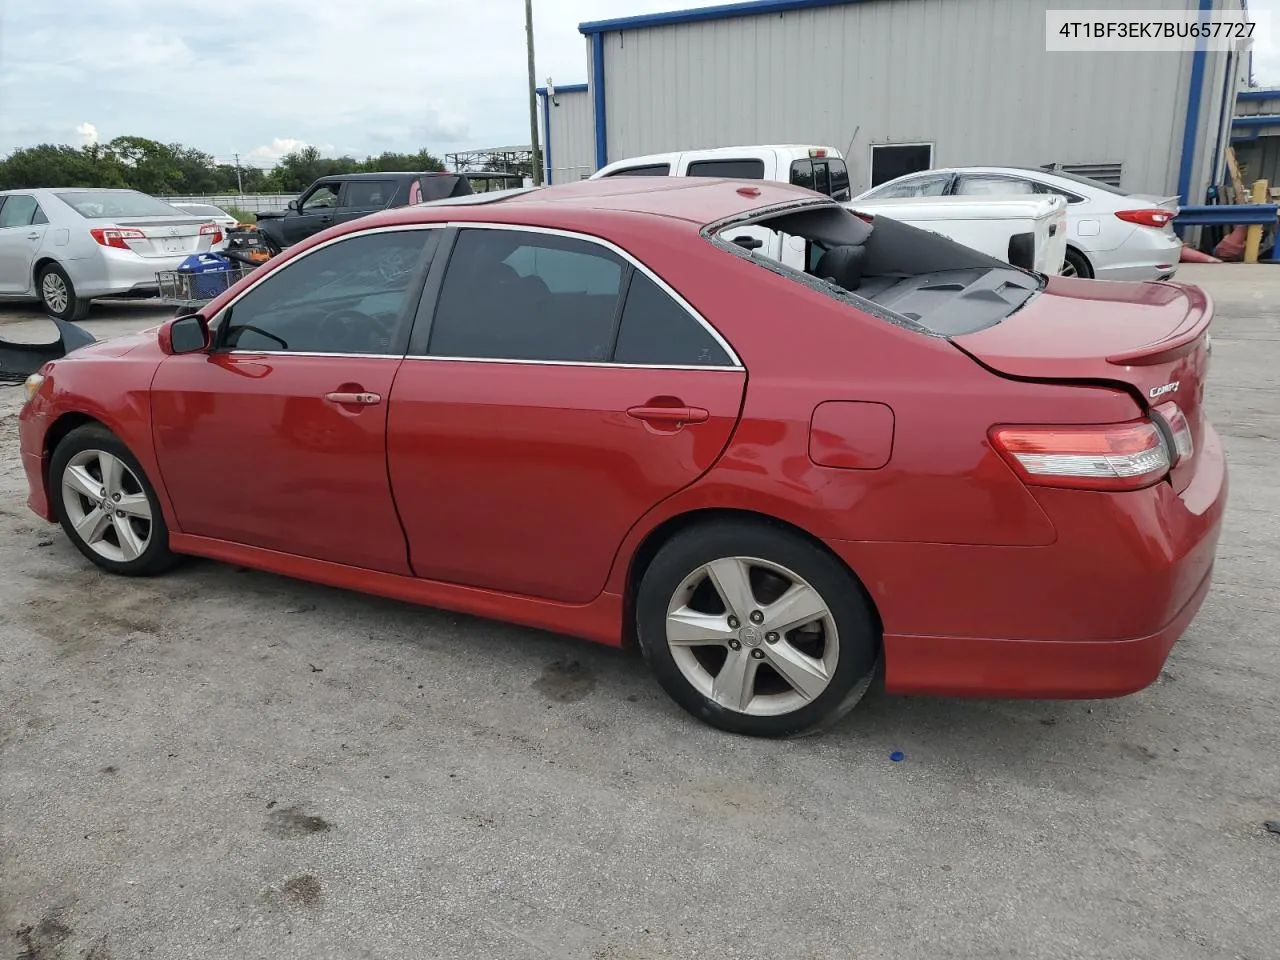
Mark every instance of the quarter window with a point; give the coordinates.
(517, 295)
(658, 331)
(348, 297)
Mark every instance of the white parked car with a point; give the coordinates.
(210, 212)
(64, 247)
(1111, 234)
(1029, 232)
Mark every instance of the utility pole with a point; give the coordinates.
(239, 182)
(533, 98)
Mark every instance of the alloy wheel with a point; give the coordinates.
(753, 636)
(107, 506)
(53, 290)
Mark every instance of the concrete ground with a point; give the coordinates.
(222, 763)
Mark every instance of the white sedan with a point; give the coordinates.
(1111, 234)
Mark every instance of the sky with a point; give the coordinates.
(259, 78)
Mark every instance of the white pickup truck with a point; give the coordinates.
(1027, 231)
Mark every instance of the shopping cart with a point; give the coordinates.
(206, 276)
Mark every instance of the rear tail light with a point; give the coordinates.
(116, 236)
(1179, 429)
(1156, 217)
(212, 230)
(1117, 456)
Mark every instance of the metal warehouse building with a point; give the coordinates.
(898, 86)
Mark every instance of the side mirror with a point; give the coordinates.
(189, 334)
(294, 206)
(748, 242)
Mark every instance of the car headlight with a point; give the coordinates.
(32, 384)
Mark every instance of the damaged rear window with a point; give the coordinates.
(900, 273)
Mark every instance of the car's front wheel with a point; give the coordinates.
(58, 295)
(106, 505)
(755, 630)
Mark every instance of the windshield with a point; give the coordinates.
(102, 204)
(911, 277)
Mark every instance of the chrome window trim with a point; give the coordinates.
(735, 361)
(576, 363)
(390, 228)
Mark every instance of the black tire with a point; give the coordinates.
(75, 308)
(156, 557)
(855, 625)
(1077, 261)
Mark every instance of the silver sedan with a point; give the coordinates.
(65, 247)
(1111, 234)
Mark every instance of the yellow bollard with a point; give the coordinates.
(1253, 235)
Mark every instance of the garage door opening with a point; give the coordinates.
(890, 160)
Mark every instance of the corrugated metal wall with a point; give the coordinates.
(972, 77)
(572, 136)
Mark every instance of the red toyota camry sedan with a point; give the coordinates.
(599, 409)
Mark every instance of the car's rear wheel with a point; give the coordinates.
(755, 630)
(1076, 264)
(58, 295)
(106, 505)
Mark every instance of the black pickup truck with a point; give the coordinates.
(347, 196)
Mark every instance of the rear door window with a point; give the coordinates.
(516, 295)
(983, 185)
(19, 211)
(648, 170)
(744, 169)
(370, 193)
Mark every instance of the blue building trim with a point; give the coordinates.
(1262, 120)
(727, 12)
(1253, 94)
(597, 80)
(1192, 124)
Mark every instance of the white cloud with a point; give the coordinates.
(87, 134)
(268, 155)
(427, 73)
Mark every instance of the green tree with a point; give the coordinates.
(49, 165)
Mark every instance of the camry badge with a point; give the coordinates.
(1162, 390)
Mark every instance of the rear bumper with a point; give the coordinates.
(1094, 614)
(1146, 255)
(111, 272)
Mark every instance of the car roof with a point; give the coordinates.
(791, 149)
(691, 200)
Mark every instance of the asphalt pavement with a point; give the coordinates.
(221, 763)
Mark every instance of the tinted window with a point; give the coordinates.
(516, 295)
(735, 169)
(325, 196)
(370, 193)
(344, 298)
(17, 211)
(652, 170)
(202, 209)
(821, 178)
(802, 174)
(117, 203)
(980, 185)
(658, 331)
(839, 180)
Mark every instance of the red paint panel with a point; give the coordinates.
(526, 477)
(851, 435)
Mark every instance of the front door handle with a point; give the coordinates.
(33, 236)
(355, 399)
(669, 415)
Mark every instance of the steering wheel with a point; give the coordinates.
(353, 331)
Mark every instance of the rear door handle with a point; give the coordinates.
(678, 415)
(355, 399)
